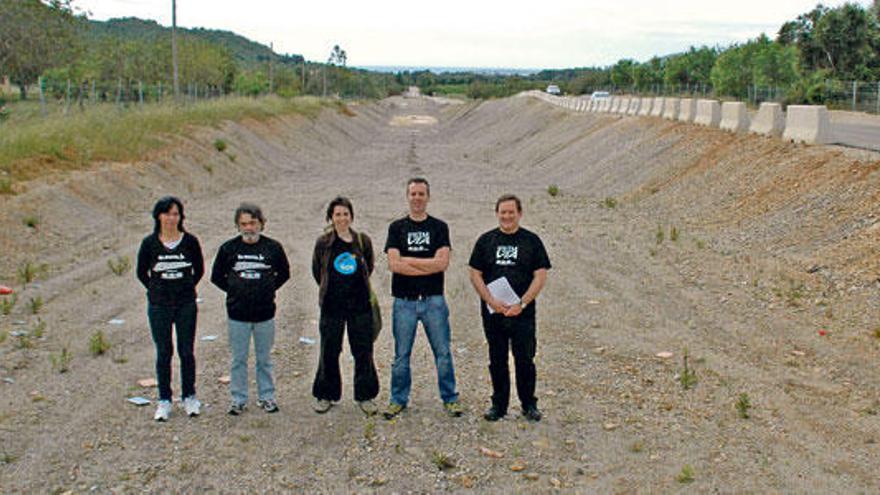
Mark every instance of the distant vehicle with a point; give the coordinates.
(600, 95)
(553, 90)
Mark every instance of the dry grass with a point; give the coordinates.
(32, 146)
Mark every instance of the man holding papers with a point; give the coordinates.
(508, 268)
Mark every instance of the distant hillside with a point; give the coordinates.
(246, 52)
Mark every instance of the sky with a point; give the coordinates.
(476, 33)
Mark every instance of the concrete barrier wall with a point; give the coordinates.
(769, 120)
(634, 104)
(734, 116)
(606, 105)
(708, 113)
(647, 105)
(615, 104)
(624, 105)
(657, 109)
(687, 110)
(808, 124)
(671, 108)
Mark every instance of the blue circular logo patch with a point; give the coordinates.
(345, 264)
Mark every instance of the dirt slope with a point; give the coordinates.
(774, 242)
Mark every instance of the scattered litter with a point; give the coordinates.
(307, 341)
(592, 302)
(116, 321)
(223, 379)
(139, 401)
(822, 332)
(5, 291)
(199, 300)
(798, 353)
(209, 338)
(147, 382)
(664, 354)
(610, 426)
(19, 322)
(18, 333)
(532, 476)
(518, 467)
(9, 380)
(491, 453)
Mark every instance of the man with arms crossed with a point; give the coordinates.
(250, 268)
(517, 254)
(418, 255)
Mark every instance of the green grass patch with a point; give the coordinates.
(743, 404)
(32, 146)
(686, 475)
(98, 343)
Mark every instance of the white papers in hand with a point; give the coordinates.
(500, 289)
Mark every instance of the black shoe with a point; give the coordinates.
(493, 414)
(532, 413)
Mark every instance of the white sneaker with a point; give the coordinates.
(163, 410)
(192, 406)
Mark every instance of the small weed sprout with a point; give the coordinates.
(31, 221)
(609, 203)
(35, 304)
(442, 461)
(25, 342)
(39, 329)
(673, 234)
(370, 430)
(220, 145)
(686, 475)
(652, 252)
(6, 185)
(876, 333)
(637, 447)
(61, 361)
(688, 377)
(3, 336)
(701, 244)
(120, 265)
(7, 458)
(29, 272)
(660, 235)
(743, 404)
(7, 303)
(553, 190)
(98, 343)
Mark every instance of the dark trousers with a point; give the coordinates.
(183, 318)
(328, 381)
(515, 334)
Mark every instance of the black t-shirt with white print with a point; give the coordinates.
(515, 256)
(250, 274)
(170, 274)
(417, 240)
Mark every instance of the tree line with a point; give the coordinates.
(53, 41)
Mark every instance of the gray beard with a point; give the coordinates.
(247, 237)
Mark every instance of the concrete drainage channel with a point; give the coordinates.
(810, 124)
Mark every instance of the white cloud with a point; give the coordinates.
(489, 33)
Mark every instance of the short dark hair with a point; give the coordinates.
(164, 206)
(509, 197)
(252, 210)
(419, 180)
(339, 201)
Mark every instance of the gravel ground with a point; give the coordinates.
(757, 258)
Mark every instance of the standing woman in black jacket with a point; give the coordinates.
(170, 265)
(341, 265)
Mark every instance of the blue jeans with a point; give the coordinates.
(183, 319)
(240, 333)
(434, 315)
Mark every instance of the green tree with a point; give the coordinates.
(844, 35)
(622, 73)
(732, 73)
(773, 64)
(35, 36)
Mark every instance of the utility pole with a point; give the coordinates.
(272, 52)
(174, 48)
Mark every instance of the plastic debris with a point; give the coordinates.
(209, 338)
(307, 341)
(139, 401)
(116, 321)
(224, 380)
(9, 380)
(491, 453)
(5, 291)
(664, 354)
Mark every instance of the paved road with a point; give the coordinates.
(860, 135)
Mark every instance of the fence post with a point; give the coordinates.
(878, 97)
(42, 97)
(855, 90)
